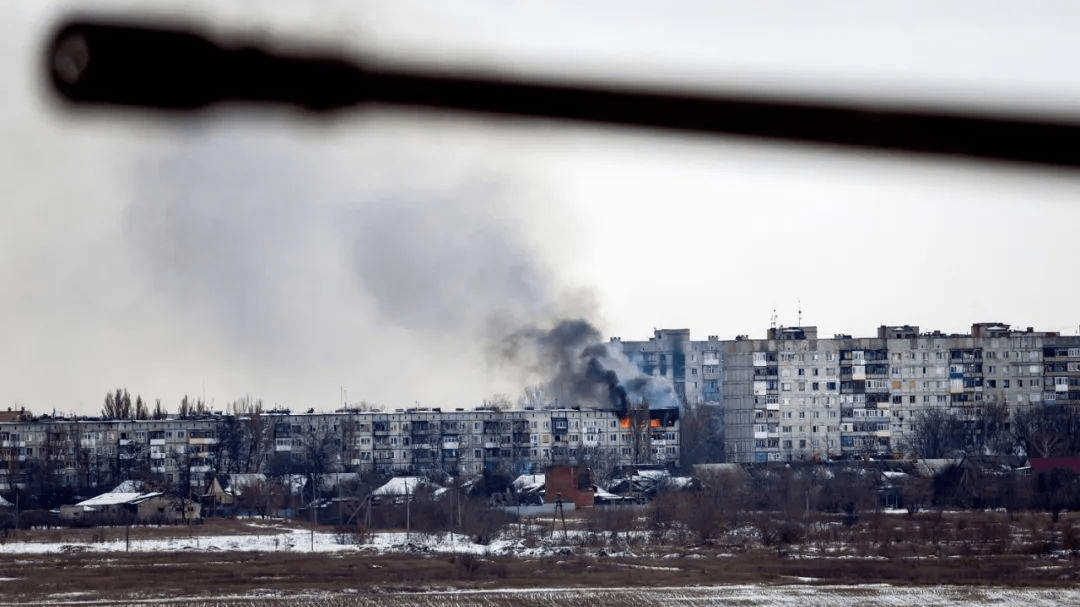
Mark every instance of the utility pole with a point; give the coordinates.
(408, 511)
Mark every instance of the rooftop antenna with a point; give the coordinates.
(799, 303)
(772, 319)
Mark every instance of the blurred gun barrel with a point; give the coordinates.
(111, 64)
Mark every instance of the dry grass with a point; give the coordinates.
(959, 549)
(208, 528)
(131, 576)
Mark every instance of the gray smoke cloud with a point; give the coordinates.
(443, 262)
(406, 283)
(579, 369)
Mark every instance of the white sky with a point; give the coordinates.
(290, 259)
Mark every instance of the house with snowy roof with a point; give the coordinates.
(401, 488)
(123, 505)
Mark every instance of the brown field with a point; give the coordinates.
(209, 527)
(149, 576)
(967, 550)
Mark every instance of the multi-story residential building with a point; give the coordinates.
(1061, 370)
(793, 396)
(782, 396)
(790, 396)
(694, 368)
(185, 453)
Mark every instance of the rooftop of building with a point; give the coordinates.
(810, 332)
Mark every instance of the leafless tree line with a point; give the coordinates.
(992, 429)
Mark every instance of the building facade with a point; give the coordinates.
(186, 453)
(793, 396)
(694, 368)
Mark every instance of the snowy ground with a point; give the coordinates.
(269, 537)
(797, 595)
(275, 538)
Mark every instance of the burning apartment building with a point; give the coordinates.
(603, 414)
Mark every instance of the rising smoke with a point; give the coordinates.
(397, 280)
(579, 369)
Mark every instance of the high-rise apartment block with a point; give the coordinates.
(794, 396)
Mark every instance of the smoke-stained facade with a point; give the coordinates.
(693, 368)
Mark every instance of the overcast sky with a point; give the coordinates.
(377, 253)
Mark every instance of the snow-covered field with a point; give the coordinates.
(751, 595)
(265, 537)
(271, 536)
(796, 595)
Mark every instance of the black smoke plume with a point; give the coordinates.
(577, 368)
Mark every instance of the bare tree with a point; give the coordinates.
(92, 469)
(603, 461)
(118, 405)
(192, 408)
(934, 434)
(992, 429)
(532, 396)
(976, 431)
(239, 437)
(498, 402)
(1048, 431)
(321, 448)
(185, 408)
(132, 457)
(701, 435)
(141, 410)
